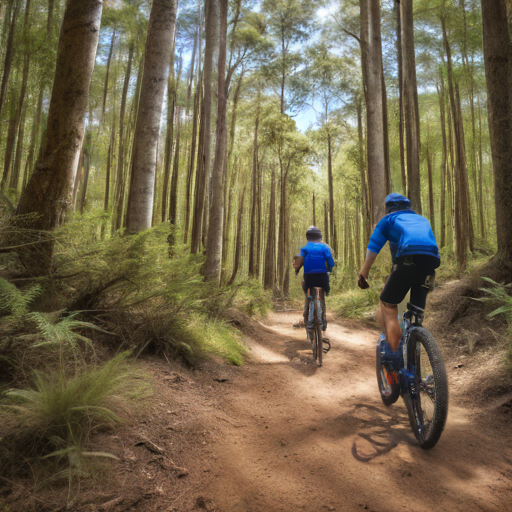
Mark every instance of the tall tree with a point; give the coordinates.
(411, 110)
(371, 57)
(48, 191)
(159, 41)
(498, 76)
(214, 239)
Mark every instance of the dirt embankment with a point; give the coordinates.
(281, 435)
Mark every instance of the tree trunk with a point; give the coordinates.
(269, 276)
(154, 80)
(105, 88)
(461, 214)
(87, 168)
(254, 190)
(119, 190)
(34, 137)
(330, 232)
(169, 138)
(412, 119)
(498, 73)
(238, 246)
(371, 52)
(48, 192)
(444, 164)
(396, 8)
(203, 166)
(190, 175)
(8, 57)
(216, 217)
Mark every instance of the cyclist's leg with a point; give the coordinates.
(393, 293)
(306, 300)
(423, 284)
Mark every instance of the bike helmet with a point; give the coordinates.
(313, 233)
(396, 202)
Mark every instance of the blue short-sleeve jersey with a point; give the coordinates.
(317, 258)
(407, 232)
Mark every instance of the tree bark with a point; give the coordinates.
(396, 8)
(105, 88)
(203, 166)
(371, 50)
(159, 41)
(440, 92)
(269, 276)
(48, 191)
(216, 217)
(118, 197)
(412, 118)
(254, 190)
(169, 138)
(461, 214)
(238, 246)
(498, 76)
(8, 57)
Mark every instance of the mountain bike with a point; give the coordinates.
(422, 381)
(314, 325)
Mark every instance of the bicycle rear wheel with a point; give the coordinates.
(389, 388)
(319, 345)
(427, 395)
(318, 331)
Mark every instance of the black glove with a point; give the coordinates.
(362, 282)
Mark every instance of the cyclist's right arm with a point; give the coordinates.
(376, 243)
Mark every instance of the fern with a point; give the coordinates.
(61, 331)
(17, 302)
(498, 293)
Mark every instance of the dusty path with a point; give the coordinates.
(296, 437)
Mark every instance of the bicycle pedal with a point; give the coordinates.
(328, 343)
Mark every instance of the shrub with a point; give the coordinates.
(64, 410)
(355, 303)
(499, 294)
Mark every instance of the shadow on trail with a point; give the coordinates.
(388, 427)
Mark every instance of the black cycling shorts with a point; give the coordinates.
(407, 276)
(320, 280)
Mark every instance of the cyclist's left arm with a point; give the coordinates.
(329, 259)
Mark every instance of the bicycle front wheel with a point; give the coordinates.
(427, 396)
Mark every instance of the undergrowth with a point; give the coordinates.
(499, 295)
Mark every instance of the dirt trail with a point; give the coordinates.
(297, 437)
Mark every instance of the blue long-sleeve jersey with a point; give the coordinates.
(407, 232)
(316, 255)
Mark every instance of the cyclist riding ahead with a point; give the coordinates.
(316, 257)
(415, 257)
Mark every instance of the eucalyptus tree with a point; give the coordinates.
(47, 194)
(371, 59)
(216, 218)
(290, 22)
(498, 74)
(410, 101)
(159, 41)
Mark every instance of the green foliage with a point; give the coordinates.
(50, 424)
(500, 294)
(60, 331)
(355, 303)
(16, 302)
(252, 299)
(62, 408)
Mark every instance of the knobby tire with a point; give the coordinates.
(428, 407)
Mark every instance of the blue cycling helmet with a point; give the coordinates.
(396, 202)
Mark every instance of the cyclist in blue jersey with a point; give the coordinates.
(415, 257)
(316, 257)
